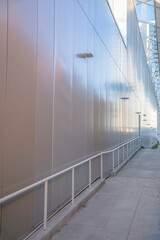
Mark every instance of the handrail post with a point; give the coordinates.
(90, 174)
(101, 166)
(113, 160)
(118, 157)
(45, 204)
(73, 171)
(123, 153)
(139, 143)
(127, 150)
(133, 146)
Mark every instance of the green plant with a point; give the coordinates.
(155, 146)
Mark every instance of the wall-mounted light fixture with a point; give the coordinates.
(85, 55)
(124, 98)
(138, 113)
(144, 120)
(144, 115)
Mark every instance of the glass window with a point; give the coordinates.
(119, 10)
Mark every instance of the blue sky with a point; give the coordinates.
(150, 11)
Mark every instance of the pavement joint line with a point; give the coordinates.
(135, 212)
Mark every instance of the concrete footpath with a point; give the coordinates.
(127, 207)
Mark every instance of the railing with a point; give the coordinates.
(72, 168)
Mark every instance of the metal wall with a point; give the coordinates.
(140, 80)
(56, 108)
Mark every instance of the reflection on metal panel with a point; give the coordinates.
(44, 99)
(3, 60)
(61, 108)
(20, 115)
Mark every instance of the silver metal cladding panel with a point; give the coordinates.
(3, 60)
(21, 92)
(20, 115)
(90, 89)
(63, 83)
(61, 108)
(44, 99)
(79, 88)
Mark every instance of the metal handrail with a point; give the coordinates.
(72, 168)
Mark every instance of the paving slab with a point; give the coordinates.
(127, 207)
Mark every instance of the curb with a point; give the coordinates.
(61, 218)
(123, 164)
